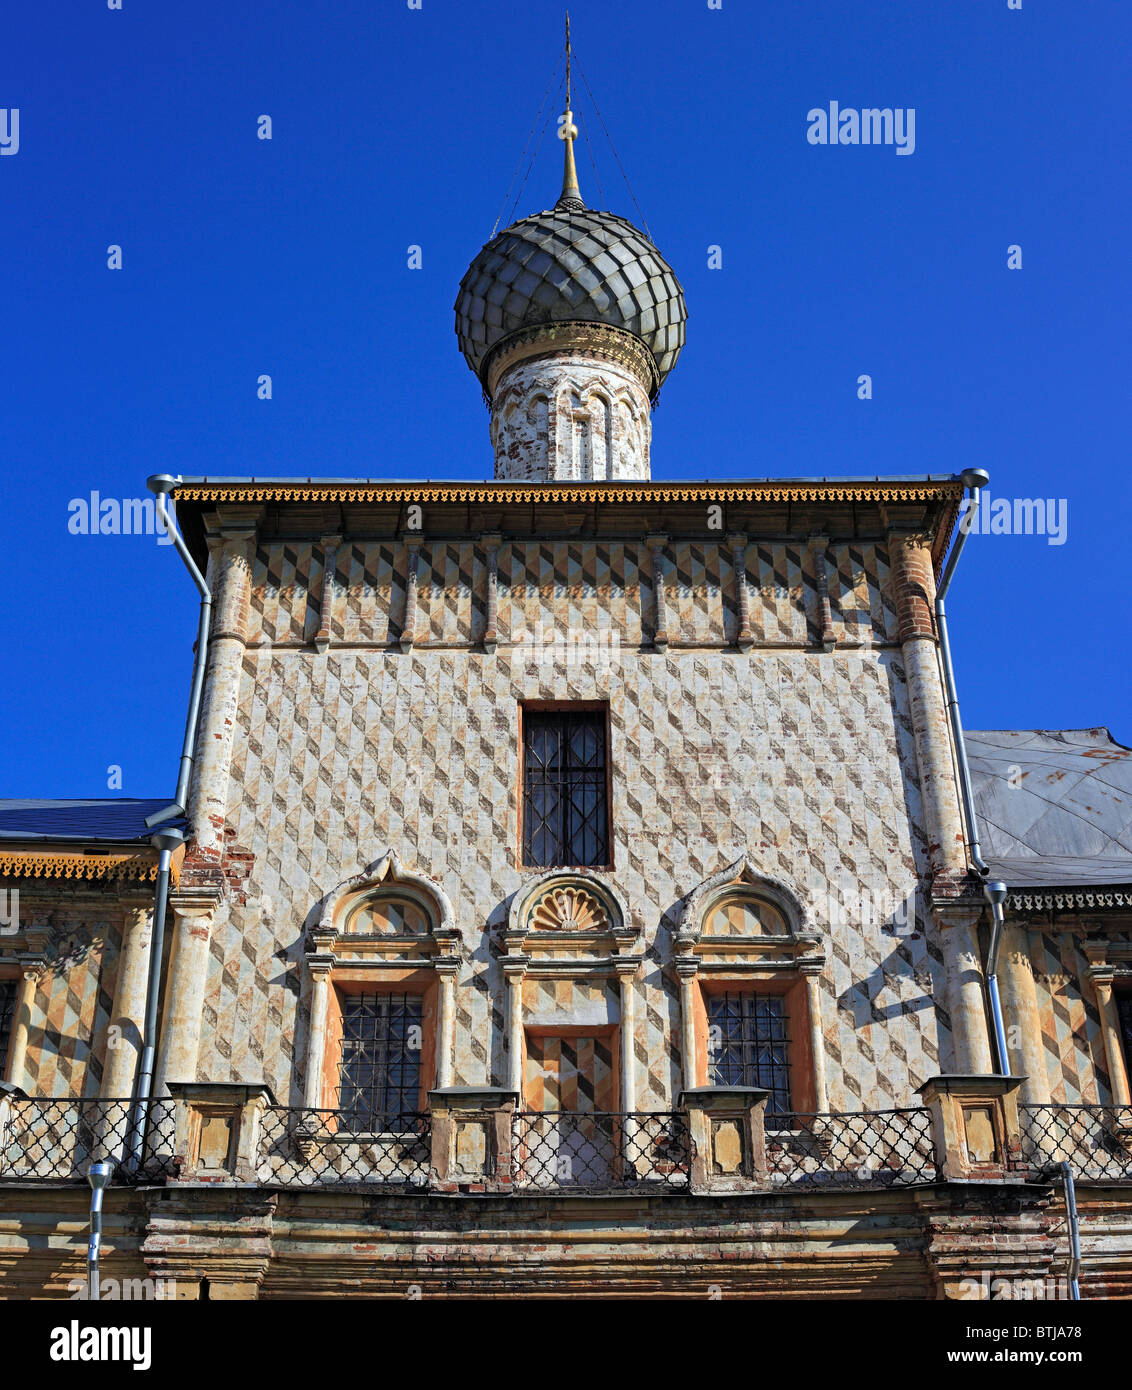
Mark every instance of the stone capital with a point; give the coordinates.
(233, 521)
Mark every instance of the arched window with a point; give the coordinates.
(749, 973)
(383, 966)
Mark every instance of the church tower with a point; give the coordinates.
(572, 320)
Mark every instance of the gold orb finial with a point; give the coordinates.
(571, 196)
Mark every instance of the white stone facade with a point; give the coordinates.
(570, 417)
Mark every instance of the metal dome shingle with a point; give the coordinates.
(565, 264)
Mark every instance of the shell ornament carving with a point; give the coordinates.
(569, 909)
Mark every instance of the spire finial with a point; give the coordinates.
(571, 198)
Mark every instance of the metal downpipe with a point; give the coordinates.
(165, 841)
(995, 894)
(161, 484)
(1074, 1231)
(976, 479)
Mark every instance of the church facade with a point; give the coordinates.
(576, 892)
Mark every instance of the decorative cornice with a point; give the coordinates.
(506, 491)
(1070, 900)
(570, 338)
(133, 864)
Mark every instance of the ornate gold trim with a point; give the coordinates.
(52, 864)
(314, 491)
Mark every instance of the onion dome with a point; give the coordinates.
(570, 264)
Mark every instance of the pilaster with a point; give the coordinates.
(231, 531)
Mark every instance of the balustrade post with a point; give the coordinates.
(218, 1130)
(975, 1126)
(726, 1128)
(471, 1139)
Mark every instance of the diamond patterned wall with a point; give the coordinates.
(802, 759)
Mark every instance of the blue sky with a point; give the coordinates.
(395, 127)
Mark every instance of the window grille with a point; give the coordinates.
(748, 1045)
(565, 811)
(380, 1069)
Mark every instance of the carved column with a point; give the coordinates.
(812, 975)
(656, 546)
(409, 626)
(627, 972)
(25, 1002)
(127, 1013)
(513, 973)
(231, 542)
(965, 986)
(181, 1019)
(744, 638)
(1022, 1016)
(330, 546)
(686, 969)
(913, 586)
(320, 964)
(819, 550)
(448, 970)
(1101, 976)
(491, 544)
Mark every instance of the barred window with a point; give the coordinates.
(8, 996)
(748, 1045)
(379, 1074)
(565, 792)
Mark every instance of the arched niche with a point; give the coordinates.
(570, 958)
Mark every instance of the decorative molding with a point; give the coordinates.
(1070, 900)
(140, 865)
(388, 873)
(567, 922)
(569, 338)
(569, 907)
(506, 491)
(780, 892)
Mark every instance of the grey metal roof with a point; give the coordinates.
(570, 264)
(1054, 806)
(115, 820)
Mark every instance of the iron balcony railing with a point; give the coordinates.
(879, 1148)
(44, 1139)
(595, 1151)
(310, 1148)
(1096, 1140)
